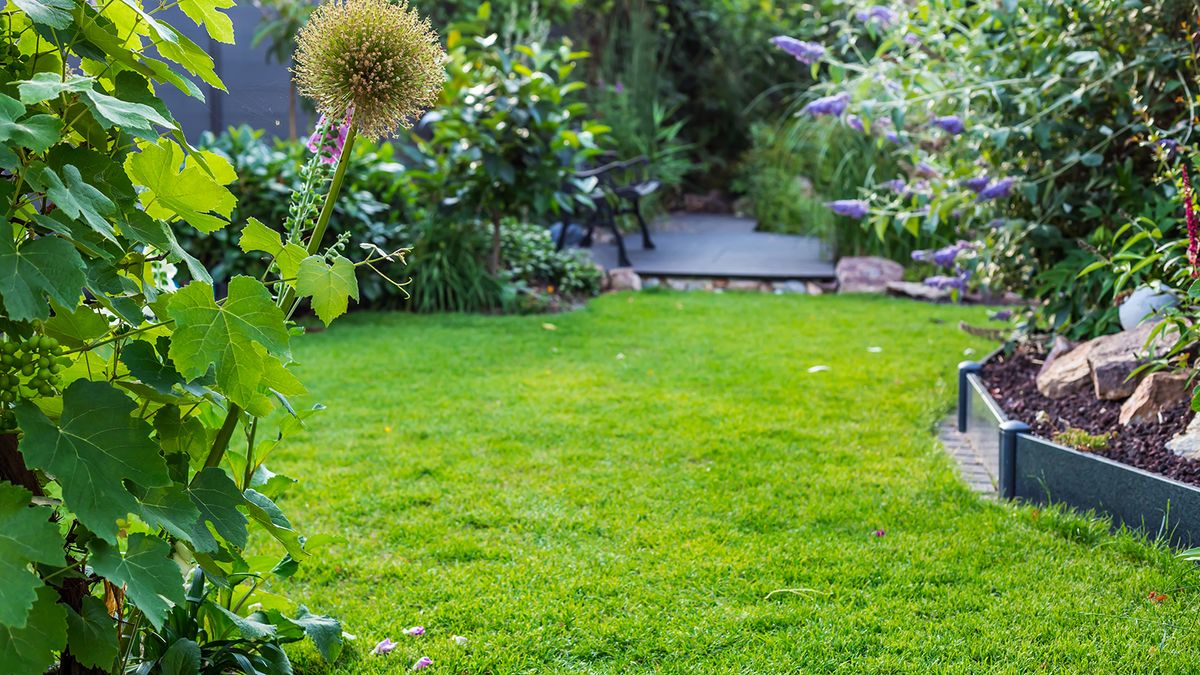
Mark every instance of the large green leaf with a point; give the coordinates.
(143, 363)
(217, 497)
(324, 631)
(224, 336)
(250, 628)
(172, 509)
(136, 118)
(264, 512)
(189, 55)
(181, 658)
(92, 634)
(97, 444)
(329, 285)
(205, 12)
(151, 579)
(29, 650)
(77, 198)
(47, 266)
(156, 233)
(77, 327)
(45, 86)
(259, 237)
(35, 132)
(53, 13)
(26, 536)
(182, 188)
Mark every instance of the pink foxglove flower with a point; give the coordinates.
(422, 663)
(415, 630)
(385, 646)
(335, 139)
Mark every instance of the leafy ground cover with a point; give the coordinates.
(657, 483)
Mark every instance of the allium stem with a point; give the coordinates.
(318, 233)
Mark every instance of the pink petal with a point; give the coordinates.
(415, 630)
(422, 663)
(385, 646)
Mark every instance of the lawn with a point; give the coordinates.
(658, 483)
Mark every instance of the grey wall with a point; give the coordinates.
(258, 91)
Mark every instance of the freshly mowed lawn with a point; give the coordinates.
(660, 485)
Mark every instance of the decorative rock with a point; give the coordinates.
(1187, 444)
(1067, 374)
(1114, 357)
(917, 291)
(792, 287)
(744, 285)
(1144, 304)
(624, 279)
(1061, 346)
(605, 281)
(814, 288)
(867, 274)
(1154, 394)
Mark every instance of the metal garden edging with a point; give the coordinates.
(1039, 471)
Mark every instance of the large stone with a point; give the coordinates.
(1067, 374)
(1187, 444)
(867, 274)
(1154, 394)
(624, 279)
(1145, 304)
(917, 291)
(1113, 358)
(1061, 346)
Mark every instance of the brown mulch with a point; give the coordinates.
(1010, 380)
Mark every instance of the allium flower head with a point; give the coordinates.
(807, 53)
(382, 59)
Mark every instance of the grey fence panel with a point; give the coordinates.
(258, 90)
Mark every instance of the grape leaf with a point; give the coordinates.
(264, 512)
(53, 13)
(324, 631)
(75, 328)
(45, 86)
(30, 649)
(96, 445)
(44, 266)
(189, 55)
(208, 334)
(329, 285)
(173, 510)
(219, 26)
(151, 579)
(259, 237)
(156, 233)
(136, 118)
(181, 658)
(189, 193)
(26, 535)
(36, 132)
(92, 634)
(217, 497)
(249, 627)
(76, 198)
(143, 363)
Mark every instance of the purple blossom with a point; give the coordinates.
(951, 124)
(892, 136)
(807, 53)
(884, 16)
(1002, 315)
(921, 256)
(422, 663)
(851, 208)
(896, 185)
(996, 222)
(998, 190)
(976, 184)
(855, 122)
(415, 630)
(912, 39)
(947, 255)
(385, 646)
(828, 105)
(619, 87)
(333, 146)
(878, 533)
(947, 282)
(926, 170)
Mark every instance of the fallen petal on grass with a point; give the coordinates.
(818, 369)
(422, 663)
(384, 646)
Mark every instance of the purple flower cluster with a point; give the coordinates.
(998, 190)
(855, 122)
(926, 170)
(828, 105)
(884, 16)
(896, 185)
(851, 208)
(949, 283)
(946, 257)
(807, 53)
(976, 184)
(951, 124)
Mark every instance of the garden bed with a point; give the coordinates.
(1010, 381)
(1135, 480)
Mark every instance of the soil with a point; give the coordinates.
(1010, 380)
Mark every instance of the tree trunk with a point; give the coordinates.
(12, 466)
(494, 259)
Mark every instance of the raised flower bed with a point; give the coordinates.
(1040, 471)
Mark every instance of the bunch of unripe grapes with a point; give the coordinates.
(30, 367)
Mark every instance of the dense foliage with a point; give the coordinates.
(138, 415)
(1025, 128)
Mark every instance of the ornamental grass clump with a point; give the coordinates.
(381, 59)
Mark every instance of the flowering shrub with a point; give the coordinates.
(137, 415)
(1018, 127)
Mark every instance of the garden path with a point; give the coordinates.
(720, 245)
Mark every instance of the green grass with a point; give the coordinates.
(660, 485)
